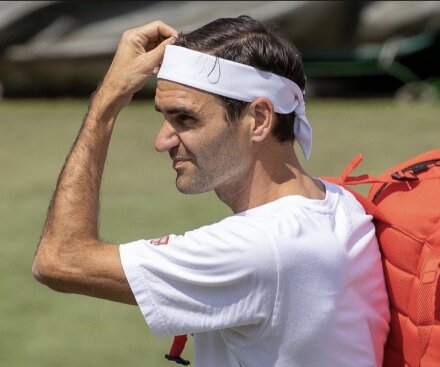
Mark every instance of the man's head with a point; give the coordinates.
(247, 41)
(211, 138)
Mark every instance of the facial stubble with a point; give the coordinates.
(217, 164)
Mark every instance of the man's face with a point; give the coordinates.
(207, 151)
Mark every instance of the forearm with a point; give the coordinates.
(70, 251)
(73, 212)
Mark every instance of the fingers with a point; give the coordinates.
(168, 41)
(155, 56)
(155, 31)
(139, 55)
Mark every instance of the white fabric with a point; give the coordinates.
(295, 282)
(242, 82)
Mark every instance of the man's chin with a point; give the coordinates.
(189, 187)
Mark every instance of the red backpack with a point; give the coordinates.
(405, 204)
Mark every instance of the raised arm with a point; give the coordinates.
(70, 257)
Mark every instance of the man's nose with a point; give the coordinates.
(167, 138)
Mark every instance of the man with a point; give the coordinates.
(294, 277)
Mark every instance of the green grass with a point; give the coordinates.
(39, 327)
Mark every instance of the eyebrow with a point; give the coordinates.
(175, 110)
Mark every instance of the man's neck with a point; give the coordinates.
(273, 176)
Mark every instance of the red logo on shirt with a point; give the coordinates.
(160, 241)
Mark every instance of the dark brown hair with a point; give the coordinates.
(247, 41)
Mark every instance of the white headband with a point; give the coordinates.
(242, 82)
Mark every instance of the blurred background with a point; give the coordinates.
(373, 87)
(53, 48)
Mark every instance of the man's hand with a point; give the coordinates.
(139, 54)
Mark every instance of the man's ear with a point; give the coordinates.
(263, 115)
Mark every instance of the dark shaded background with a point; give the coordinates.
(350, 48)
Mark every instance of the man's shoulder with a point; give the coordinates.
(246, 231)
(235, 226)
(344, 197)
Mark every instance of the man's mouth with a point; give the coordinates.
(179, 162)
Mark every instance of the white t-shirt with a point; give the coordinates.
(295, 282)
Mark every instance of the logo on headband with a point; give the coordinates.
(209, 67)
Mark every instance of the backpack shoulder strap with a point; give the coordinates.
(388, 177)
(345, 180)
(428, 294)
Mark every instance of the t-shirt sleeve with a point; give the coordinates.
(219, 276)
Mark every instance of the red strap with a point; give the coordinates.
(351, 166)
(176, 350)
(179, 342)
(426, 300)
(368, 205)
(345, 179)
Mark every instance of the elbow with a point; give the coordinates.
(49, 270)
(40, 270)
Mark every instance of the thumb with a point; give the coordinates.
(155, 56)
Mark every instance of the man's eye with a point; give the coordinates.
(182, 119)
